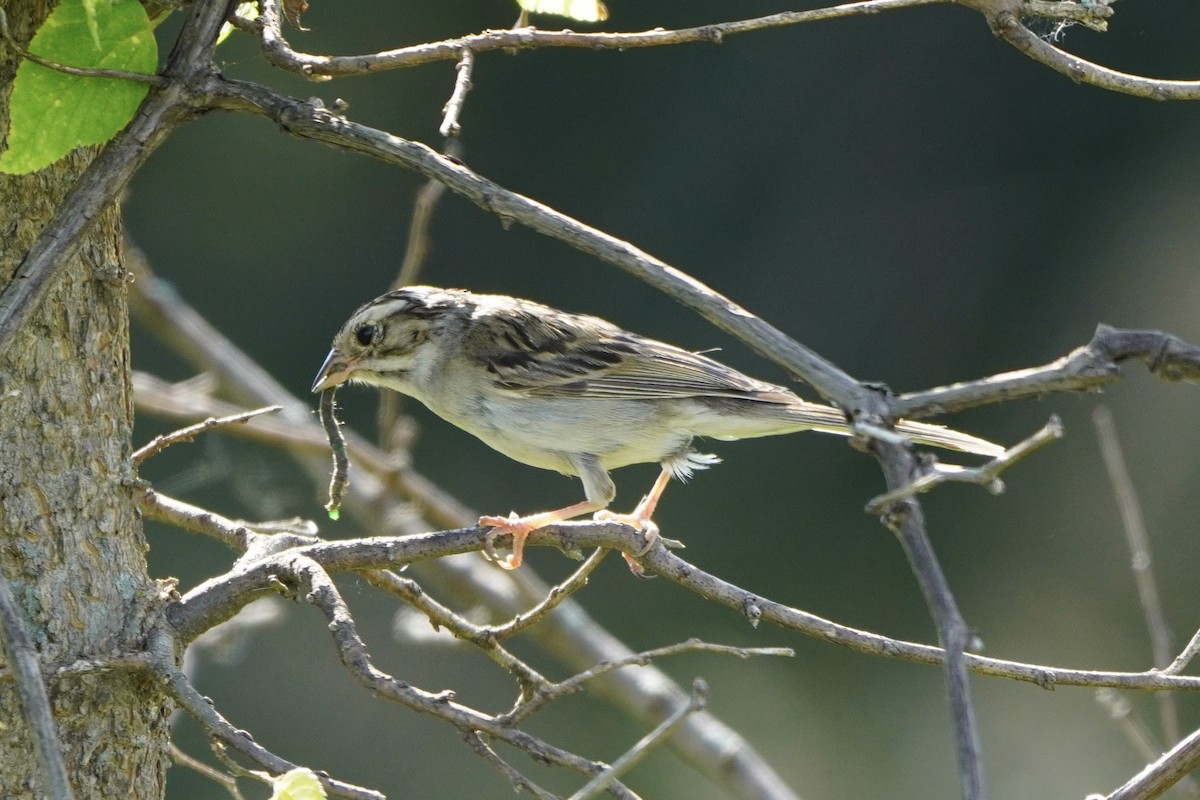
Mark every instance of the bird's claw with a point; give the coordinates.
(499, 526)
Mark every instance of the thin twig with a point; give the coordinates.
(639, 751)
(188, 434)
(1093, 14)
(1185, 657)
(1163, 773)
(528, 679)
(519, 782)
(83, 72)
(22, 659)
(204, 712)
(280, 53)
(317, 588)
(1139, 735)
(1140, 560)
(234, 534)
(1087, 368)
(176, 402)
(986, 474)
(224, 780)
(419, 242)
(576, 682)
(451, 127)
(906, 519)
(576, 581)
(1009, 28)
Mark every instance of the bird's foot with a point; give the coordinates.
(519, 527)
(642, 523)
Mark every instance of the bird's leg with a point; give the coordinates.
(640, 518)
(598, 488)
(521, 527)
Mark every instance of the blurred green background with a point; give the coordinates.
(903, 193)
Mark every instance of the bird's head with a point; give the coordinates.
(382, 340)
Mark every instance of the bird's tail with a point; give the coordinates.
(830, 420)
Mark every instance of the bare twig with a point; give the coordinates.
(159, 660)
(207, 604)
(451, 126)
(280, 53)
(575, 682)
(1138, 734)
(1093, 14)
(418, 246)
(243, 538)
(1185, 657)
(576, 581)
(160, 443)
(1086, 368)
(318, 589)
(21, 657)
(639, 751)
(529, 679)
(906, 519)
(224, 780)
(419, 242)
(1140, 560)
(1163, 773)
(1008, 27)
(519, 782)
(234, 534)
(176, 402)
(987, 474)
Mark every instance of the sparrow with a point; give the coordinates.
(572, 393)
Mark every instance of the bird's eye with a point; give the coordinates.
(366, 334)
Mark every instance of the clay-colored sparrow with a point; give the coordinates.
(571, 393)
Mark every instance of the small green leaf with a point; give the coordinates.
(247, 10)
(52, 113)
(334, 513)
(298, 784)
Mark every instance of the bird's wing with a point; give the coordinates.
(573, 356)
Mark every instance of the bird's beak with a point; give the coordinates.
(336, 369)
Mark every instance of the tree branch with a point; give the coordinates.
(220, 598)
(1087, 368)
(1008, 27)
(317, 123)
(188, 434)
(21, 657)
(279, 53)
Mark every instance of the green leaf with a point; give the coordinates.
(298, 784)
(52, 113)
(247, 10)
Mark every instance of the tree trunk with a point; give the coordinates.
(71, 540)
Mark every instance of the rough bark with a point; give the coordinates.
(71, 540)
